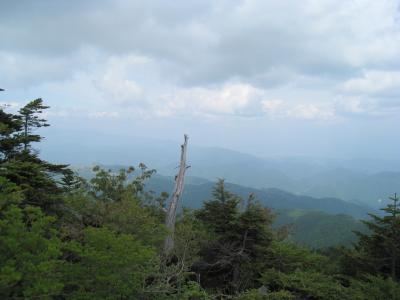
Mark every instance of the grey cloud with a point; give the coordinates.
(205, 42)
(302, 52)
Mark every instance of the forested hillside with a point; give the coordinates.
(319, 230)
(66, 237)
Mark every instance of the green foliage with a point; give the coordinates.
(21, 165)
(9, 194)
(31, 121)
(107, 265)
(29, 251)
(190, 236)
(376, 288)
(108, 186)
(288, 257)
(263, 294)
(231, 262)
(192, 291)
(378, 252)
(115, 202)
(221, 213)
(306, 285)
(10, 142)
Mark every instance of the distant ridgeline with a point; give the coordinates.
(365, 181)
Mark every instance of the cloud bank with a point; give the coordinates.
(222, 58)
(320, 62)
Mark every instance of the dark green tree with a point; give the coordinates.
(233, 258)
(20, 164)
(30, 119)
(378, 252)
(10, 142)
(220, 213)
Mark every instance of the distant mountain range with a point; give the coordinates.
(363, 181)
(198, 190)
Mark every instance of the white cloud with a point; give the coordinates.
(229, 99)
(115, 81)
(272, 107)
(208, 58)
(352, 104)
(104, 114)
(311, 111)
(374, 82)
(277, 108)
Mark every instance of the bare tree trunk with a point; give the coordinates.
(178, 190)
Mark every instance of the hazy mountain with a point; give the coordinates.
(371, 189)
(359, 181)
(195, 194)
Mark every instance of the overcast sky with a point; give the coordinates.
(311, 77)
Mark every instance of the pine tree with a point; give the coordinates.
(20, 164)
(31, 121)
(10, 125)
(380, 249)
(239, 240)
(221, 213)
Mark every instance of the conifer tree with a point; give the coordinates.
(10, 125)
(380, 249)
(21, 164)
(221, 213)
(29, 115)
(231, 262)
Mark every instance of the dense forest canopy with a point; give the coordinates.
(66, 237)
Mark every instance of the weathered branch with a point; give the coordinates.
(177, 193)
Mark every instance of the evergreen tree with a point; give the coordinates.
(378, 252)
(234, 257)
(10, 142)
(20, 164)
(31, 121)
(220, 213)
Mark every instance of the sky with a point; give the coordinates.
(270, 78)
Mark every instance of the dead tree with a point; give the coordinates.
(173, 204)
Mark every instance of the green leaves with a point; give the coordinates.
(29, 254)
(108, 264)
(306, 285)
(109, 186)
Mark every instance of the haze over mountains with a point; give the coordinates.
(367, 182)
